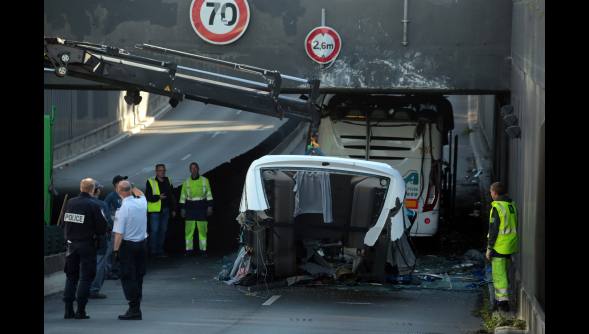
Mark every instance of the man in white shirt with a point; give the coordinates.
(130, 232)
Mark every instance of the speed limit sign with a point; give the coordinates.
(219, 21)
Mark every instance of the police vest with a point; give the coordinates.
(155, 188)
(507, 239)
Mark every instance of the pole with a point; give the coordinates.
(455, 164)
(48, 164)
(405, 21)
(60, 218)
(451, 171)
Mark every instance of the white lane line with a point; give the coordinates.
(186, 157)
(353, 303)
(271, 300)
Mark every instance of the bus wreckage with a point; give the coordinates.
(324, 216)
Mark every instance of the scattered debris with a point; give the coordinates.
(295, 279)
(475, 256)
(323, 268)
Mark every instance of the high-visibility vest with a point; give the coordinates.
(507, 239)
(200, 191)
(155, 188)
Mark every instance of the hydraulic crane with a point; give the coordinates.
(122, 70)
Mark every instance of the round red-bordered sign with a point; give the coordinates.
(323, 44)
(219, 21)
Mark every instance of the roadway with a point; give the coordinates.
(180, 295)
(193, 131)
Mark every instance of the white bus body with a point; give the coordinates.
(407, 136)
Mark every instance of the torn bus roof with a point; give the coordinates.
(254, 196)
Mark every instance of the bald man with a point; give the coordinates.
(130, 231)
(84, 223)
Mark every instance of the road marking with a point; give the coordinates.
(186, 157)
(353, 303)
(218, 133)
(271, 300)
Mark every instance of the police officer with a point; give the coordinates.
(84, 224)
(130, 231)
(502, 242)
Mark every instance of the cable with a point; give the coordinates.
(403, 256)
(408, 233)
(422, 163)
(261, 256)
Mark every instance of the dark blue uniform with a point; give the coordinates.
(84, 223)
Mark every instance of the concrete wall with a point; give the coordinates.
(526, 156)
(452, 45)
(85, 120)
(485, 108)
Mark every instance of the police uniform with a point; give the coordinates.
(84, 223)
(131, 224)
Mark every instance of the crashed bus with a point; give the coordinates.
(406, 132)
(319, 214)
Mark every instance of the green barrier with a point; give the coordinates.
(48, 164)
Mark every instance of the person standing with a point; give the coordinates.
(105, 250)
(196, 200)
(160, 202)
(130, 232)
(313, 146)
(113, 201)
(502, 242)
(84, 223)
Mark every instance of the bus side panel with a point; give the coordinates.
(343, 139)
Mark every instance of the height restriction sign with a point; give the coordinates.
(323, 44)
(219, 21)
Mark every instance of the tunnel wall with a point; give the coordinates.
(526, 157)
(485, 105)
(86, 119)
(451, 45)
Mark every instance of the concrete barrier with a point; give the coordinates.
(54, 279)
(87, 122)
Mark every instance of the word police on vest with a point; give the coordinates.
(74, 218)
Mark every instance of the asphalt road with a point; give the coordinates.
(207, 134)
(180, 295)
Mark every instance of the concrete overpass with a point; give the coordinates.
(476, 47)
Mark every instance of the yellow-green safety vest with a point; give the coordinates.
(192, 194)
(155, 188)
(507, 239)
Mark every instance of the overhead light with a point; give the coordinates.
(513, 131)
(510, 120)
(174, 102)
(133, 97)
(506, 110)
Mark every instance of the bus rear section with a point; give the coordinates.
(407, 133)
